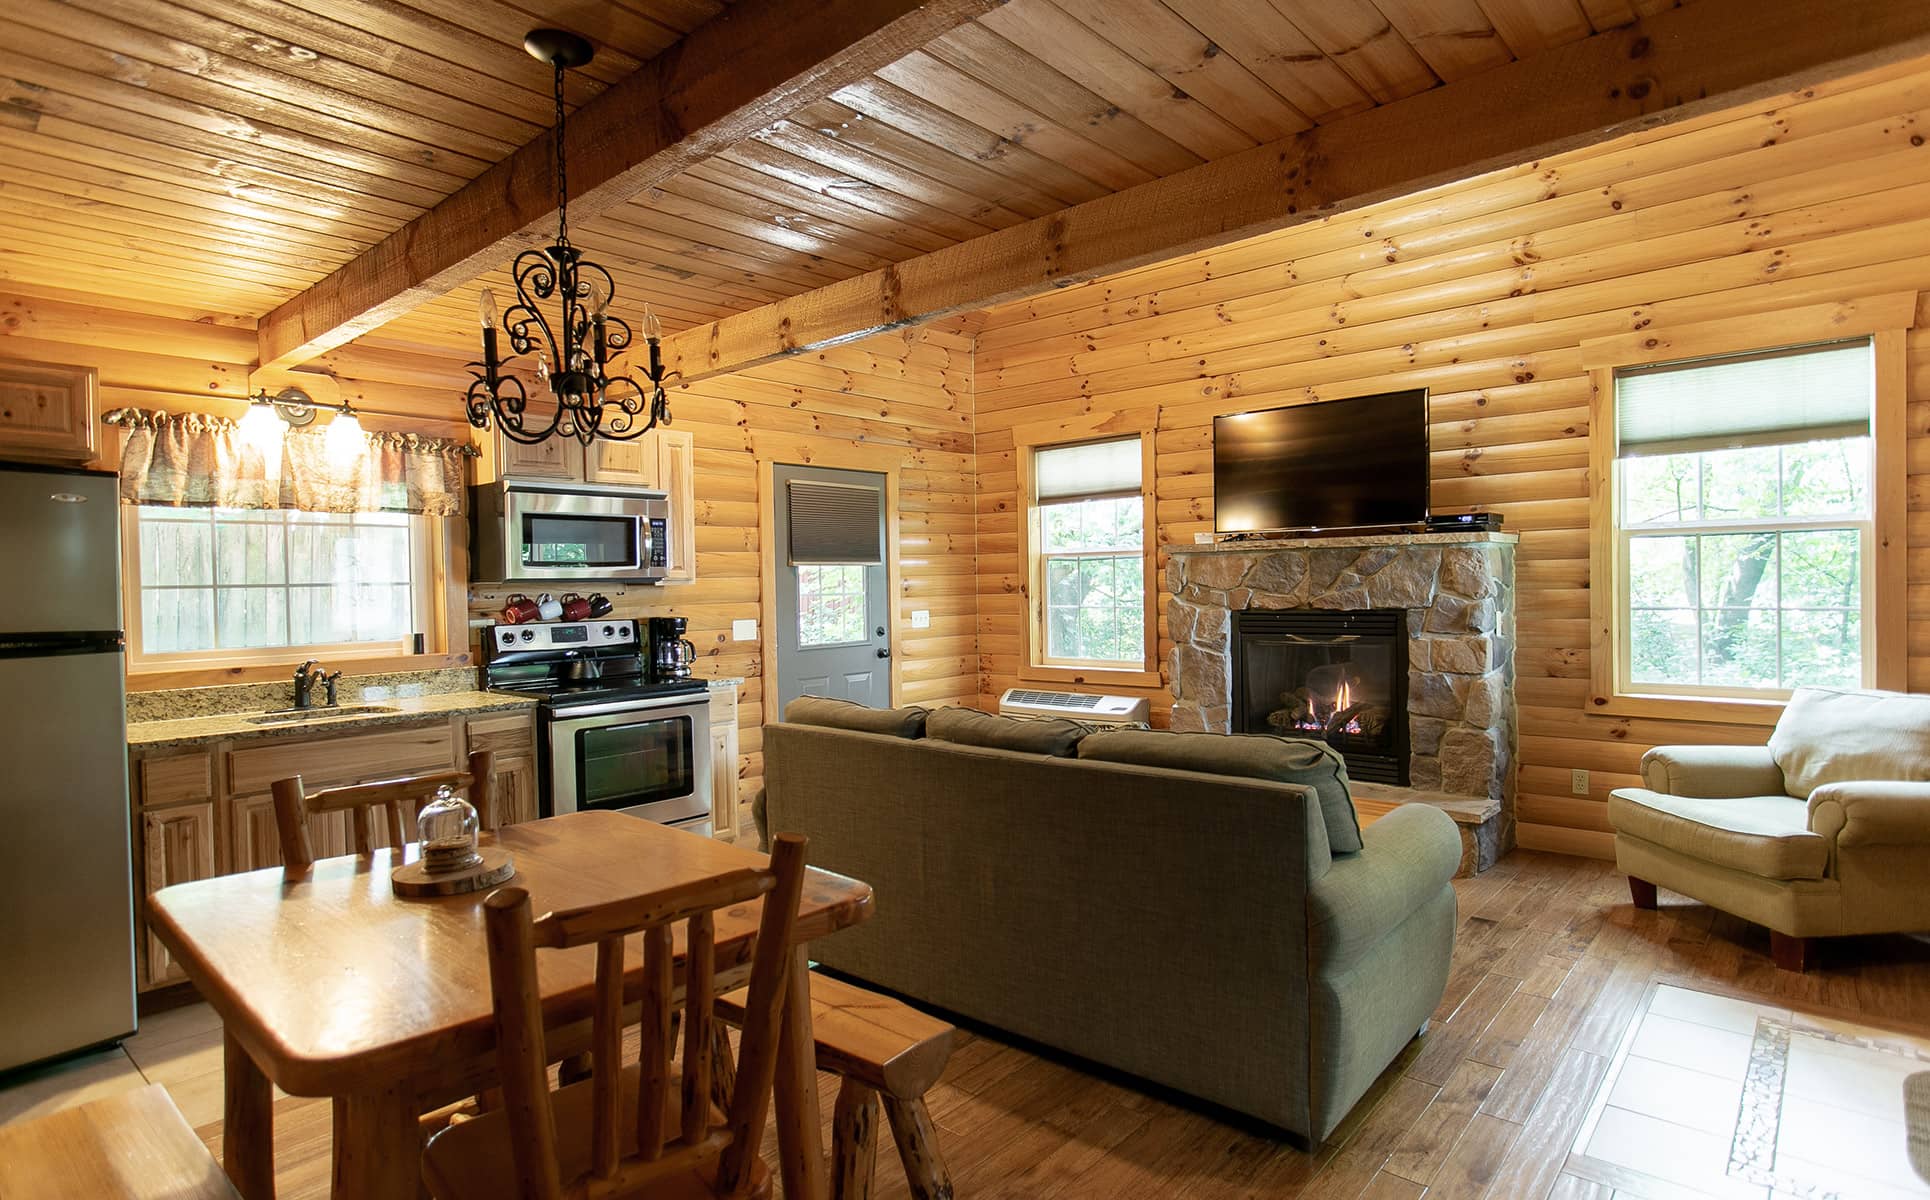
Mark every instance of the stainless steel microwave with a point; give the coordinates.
(528, 531)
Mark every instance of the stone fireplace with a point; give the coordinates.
(1448, 596)
(1333, 677)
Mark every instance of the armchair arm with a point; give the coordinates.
(1712, 772)
(1872, 813)
(1406, 858)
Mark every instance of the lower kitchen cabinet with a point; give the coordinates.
(724, 817)
(180, 848)
(206, 809)
(513, 740)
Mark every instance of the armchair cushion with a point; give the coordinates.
(1712, 771)
(1767, 836)
(1835, 735)
(1872, 813)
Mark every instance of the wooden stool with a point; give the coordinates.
(882, 1050)
(132, 1146)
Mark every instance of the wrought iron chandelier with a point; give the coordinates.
(573, 354)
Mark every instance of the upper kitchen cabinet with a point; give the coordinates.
(629, 464)
(47, 412)
(676, 455)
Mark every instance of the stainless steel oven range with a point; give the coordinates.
(609, 735)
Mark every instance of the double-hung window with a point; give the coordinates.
(211, 585)
(1743, 522)
(1088, 532)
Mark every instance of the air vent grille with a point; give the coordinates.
(1056, 699)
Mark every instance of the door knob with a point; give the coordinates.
(881, 631)
(884, 652)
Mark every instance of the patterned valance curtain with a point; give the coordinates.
(188, 459)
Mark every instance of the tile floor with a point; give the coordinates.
(1711, 1096)
(179, 1049)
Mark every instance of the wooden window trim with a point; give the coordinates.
(446, 605)
(1092, 427)
(1885, 319)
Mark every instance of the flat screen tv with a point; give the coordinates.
(1334, 464)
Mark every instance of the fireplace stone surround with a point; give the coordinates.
(1458, 590)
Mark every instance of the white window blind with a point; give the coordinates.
(1776, 398)
(835, 523)
(1090, 469)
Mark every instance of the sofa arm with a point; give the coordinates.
(1712, 772)
(1872, 813)
(761, 817)
(1406, 858)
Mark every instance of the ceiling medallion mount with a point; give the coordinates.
(573, 344)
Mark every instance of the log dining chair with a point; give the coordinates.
(640, 1132)
(397, 798)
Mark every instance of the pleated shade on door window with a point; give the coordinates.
(1779, 397)
(835, 524)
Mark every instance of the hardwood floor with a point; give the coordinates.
(1551, 965)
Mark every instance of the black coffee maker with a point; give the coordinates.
(670, 652)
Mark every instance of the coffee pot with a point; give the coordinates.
(671, 654)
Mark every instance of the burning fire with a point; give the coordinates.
(1318, 721)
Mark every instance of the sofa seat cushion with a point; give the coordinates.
(970, 727)
(1843, 735)
(1766, 836)
(849, 714)
(1249, 755)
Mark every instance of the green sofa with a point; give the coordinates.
(1192, 929)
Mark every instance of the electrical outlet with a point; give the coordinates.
(921, 618)
(1578, 782)
(743, 631)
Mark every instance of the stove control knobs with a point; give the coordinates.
(508, 637)
(529, 635)
(609, 631)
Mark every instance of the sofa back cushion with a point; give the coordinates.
(970, 727)
(1249, 755)
(849, 714)
(1840, 735)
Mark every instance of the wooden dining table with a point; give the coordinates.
(328, 984)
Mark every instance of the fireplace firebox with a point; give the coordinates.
(1333, 677)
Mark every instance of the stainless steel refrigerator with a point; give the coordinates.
(66, 892)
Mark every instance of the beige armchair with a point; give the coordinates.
(1823, 832)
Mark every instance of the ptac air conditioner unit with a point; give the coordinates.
(1093, 710)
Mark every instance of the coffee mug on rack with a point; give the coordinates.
(549, 608)
(600, 605)
(575, 607)
(519, 609)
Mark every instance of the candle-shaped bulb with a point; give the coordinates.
(486, 308)
(599, 298)
(652, 328)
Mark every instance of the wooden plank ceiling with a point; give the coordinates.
(213, 158)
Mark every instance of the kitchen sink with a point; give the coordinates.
(295, 716)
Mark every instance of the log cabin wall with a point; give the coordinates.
(1483, 292)
(909, 391)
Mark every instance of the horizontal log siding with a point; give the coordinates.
(1483, 292)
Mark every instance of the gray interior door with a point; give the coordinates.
(833, 635)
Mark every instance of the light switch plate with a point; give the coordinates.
(921, 618)
(743, 631)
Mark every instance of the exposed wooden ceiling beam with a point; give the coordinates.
(757, 61)
(1704, 56)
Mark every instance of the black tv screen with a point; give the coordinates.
(1335, 464)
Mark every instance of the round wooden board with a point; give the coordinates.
(412, 879)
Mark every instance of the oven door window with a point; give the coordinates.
(555, 540)
(642, 762)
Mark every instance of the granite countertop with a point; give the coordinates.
(1458, 537)
(183, 731)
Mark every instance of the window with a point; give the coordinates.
(225, 585)
(1089, 537)
(831, 606)
(1744, 522)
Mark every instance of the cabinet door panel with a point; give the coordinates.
(676, 475)
(551, 458)
(254, 843)
(633, 464)
(47, 411)
(177, 847)
(517, 798)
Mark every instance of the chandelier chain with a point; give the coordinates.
(562, 168)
